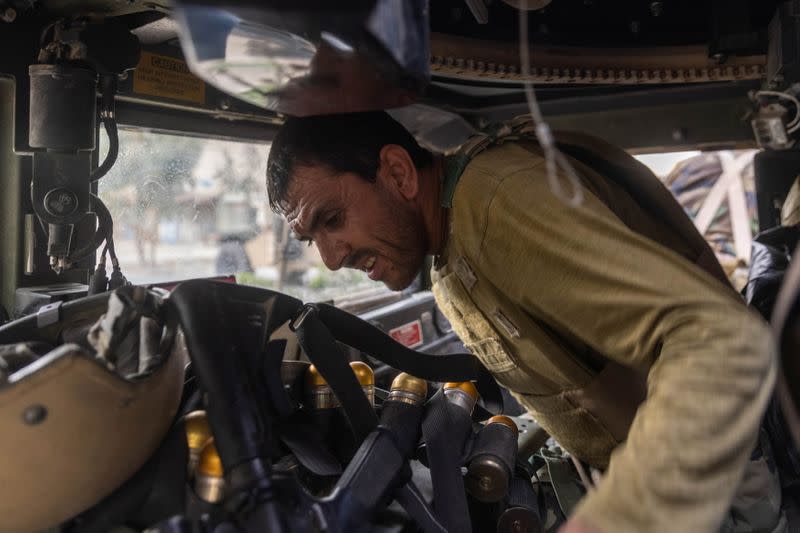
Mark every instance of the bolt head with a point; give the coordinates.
(34, 414)
(60, 202)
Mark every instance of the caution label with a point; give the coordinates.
(167, 77)
(408, 334)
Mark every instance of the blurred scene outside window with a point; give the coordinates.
(187, 207)
(717, 191)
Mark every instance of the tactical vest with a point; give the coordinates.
(599, 412)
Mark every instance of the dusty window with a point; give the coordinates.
(187, 207)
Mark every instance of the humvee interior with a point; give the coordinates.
(172, 359)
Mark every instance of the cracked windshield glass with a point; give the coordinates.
(187, 207)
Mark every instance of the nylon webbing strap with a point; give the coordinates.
(439, 431)
(490, 393)
(321, 348)
(362, 335)
(412, 501)
(520, 492)
(651, 195)
(365, 337)
(304, 440)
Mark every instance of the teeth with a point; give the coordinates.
(370, 263)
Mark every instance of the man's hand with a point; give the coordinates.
(578, 526)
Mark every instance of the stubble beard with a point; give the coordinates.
(404, 244)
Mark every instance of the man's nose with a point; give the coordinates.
(333, 252)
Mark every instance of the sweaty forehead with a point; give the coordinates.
(310, 189)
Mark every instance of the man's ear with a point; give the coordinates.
(398, 172)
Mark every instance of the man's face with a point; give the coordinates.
(358, 224)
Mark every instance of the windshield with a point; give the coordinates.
(188, 207)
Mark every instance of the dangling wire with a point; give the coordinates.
(103, 255)
(108, 84)
(554, 159)
(793, 124)
(105, 227)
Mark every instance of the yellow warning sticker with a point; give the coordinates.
(167, 77)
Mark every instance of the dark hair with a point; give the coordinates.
(344, 143)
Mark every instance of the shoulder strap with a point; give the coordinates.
(611, 161)
(615, 164)
(454, 165)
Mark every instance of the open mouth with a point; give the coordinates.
(372, 268)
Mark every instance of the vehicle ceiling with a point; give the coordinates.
(580, 50)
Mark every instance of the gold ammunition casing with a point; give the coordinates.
(366, 377)
(209, 482)
(506, 421)
(198, 431)
(408, 389)
(318, 393)
(463, 394)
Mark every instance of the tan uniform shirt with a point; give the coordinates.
(546, 295)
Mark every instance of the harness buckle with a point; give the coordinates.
(305, 312)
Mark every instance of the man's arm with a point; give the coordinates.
(583, 271)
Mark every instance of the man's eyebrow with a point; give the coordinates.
(316, 218)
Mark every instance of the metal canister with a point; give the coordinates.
(522, 513)
(463, 394)
(198, 432)
(318, 393)
(366, 377)
(63, 107)
(408, 389)
(491, 464)
(209, 482)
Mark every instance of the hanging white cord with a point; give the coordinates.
(553, 157)
(794, 124)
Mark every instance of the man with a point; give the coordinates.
(569, 307)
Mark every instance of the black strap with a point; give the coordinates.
(271, 373)
(414, 504)
(322, 350)
(619, 167)
(366, 338)
(303, 439)
(490, 394)
(441, 430)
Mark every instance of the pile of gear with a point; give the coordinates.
(109, 426)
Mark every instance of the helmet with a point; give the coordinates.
(84, 417)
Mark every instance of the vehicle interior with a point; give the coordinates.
(172, 359)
